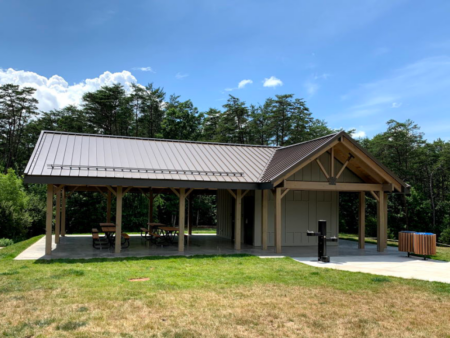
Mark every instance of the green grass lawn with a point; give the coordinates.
(442, 253)
(211, 296)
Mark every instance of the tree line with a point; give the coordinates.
(281, 120)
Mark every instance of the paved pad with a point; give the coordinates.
(389, 265)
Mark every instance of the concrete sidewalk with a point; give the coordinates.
(389, 265)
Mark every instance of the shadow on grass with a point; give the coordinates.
(128, 259)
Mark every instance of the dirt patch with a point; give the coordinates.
(142, 279)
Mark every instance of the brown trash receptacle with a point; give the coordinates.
(424, 243)
(406, 241)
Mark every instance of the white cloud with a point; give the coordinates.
(396, 104)
(359, 134)
(144, 69)
(272, 82)
(180, 76)
(243, 83)
(56, 93)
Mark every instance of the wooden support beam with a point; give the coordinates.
(284, 193)
(127, 190)
(264, 218)
(175, 192)
(237, 220)
(112, 190)
(326, 186)
(72, 191)
(190, 223)
(385, 210)
(57, 188)
(49, 220)
(322, 168)
(108, 208)
(58, 216)
(63, 213)
(119, 196)
(381, 222)
(151, 199)
(362, 220)
(100, 191)
(332, 163)
(232, 193)
(278, 220)
(343, 167)
(375, 196)
(181, 219)
(189, 192)
(245, 193)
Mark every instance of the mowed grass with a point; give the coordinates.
(442, 253)
(211, 296)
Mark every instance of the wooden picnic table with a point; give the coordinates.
(107, 224)
(169, 232)
(109, 232)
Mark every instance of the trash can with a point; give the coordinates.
(424, 243)
(406, 241)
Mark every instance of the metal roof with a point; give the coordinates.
(287, 157)
(92, 159)
(60, 154)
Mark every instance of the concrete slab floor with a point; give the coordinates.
(80, 247)
(388, 265)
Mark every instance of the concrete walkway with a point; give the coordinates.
(389, 265)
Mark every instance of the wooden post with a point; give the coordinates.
(237, 220)
(386, 195)
(190, 214)
(332, 163)
(181, 217)
(58, 216)
(49, 220)
(362, 220)
(118, 220)
(150, 207)
(264, 218)
(63, 212)
(278, 220)
(108, 208)
(381, 222)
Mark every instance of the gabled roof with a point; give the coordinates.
(92, 159)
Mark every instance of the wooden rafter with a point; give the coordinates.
(325, 186)
(244, 193)
(127, 190)
(332, 163)
(57, 188)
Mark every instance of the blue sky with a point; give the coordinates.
(356, 63)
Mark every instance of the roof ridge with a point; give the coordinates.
(315, 139)
(160, 139)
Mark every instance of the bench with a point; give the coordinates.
(97, 241)
(125, 240)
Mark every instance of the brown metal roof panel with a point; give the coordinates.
(182, 160)
(51, 155)
(41, 156)
(285, 158)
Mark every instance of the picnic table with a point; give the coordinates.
(110, 232)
